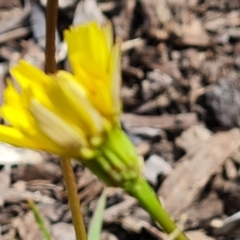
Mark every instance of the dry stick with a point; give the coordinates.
(50, 67)
(51, 23)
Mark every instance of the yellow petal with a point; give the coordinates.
(97, 88)
(55, 128)
(28, 75)
(14, 137)
(89, 41)
(11, 96)
(18, 118)
(96, 65)
(87, 116)
(26, 125)
(102, 99)
(33, 82)
(68, 107)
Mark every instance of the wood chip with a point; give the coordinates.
(63, 231)
(186, 182)
(197, 235)
(231, 170)
(193, 138)
(136, 225)
(4, 184)
(167, 122)
(118, 210)
(204, 210)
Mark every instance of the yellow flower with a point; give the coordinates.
(74, 115)
(77, 115)
(67, 114)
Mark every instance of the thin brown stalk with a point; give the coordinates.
(73, 199)
(51, 24)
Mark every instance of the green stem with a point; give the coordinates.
(149, 201)
(51, 24)
(73, 199)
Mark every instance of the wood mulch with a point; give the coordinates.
(181, 102)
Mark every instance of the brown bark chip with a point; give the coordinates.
(187, 181)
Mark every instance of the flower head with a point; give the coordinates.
(74, 114)
(67, 114)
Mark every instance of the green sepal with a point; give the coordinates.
(116, 164)
(116, 160)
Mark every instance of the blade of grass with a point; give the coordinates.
(95, 227)
(39, 220)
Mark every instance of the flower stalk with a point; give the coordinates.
(68, 174)
(73, 199)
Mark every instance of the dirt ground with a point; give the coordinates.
(181, 101)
